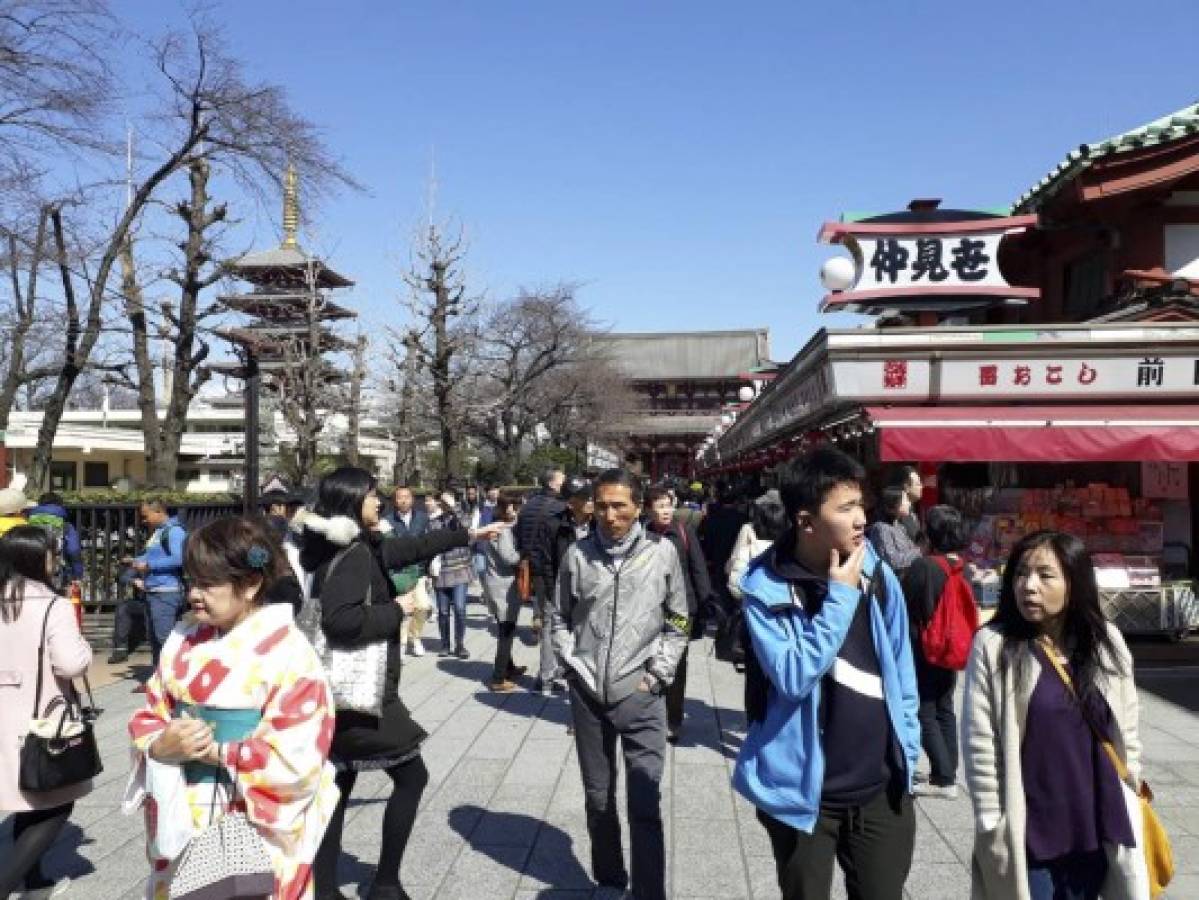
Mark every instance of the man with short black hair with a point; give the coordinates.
(830, 694)
(620, 626)
(408, 521)
(530, 525)
(908, 478)
(161, 566)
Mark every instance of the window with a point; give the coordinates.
(95, 474)
(63, 476)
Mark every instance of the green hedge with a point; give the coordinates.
(171, 498)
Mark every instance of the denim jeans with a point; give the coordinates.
(456, 596)
(1078, 876)
(165, 609)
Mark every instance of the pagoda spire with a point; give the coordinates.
(291, 208)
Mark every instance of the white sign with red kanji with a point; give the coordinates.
(1147, 376)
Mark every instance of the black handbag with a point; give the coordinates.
(57, 755)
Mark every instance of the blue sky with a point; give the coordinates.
(677, 158)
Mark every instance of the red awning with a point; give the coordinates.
(1037, 433)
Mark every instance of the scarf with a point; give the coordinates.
(618, 549)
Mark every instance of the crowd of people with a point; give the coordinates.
(267, 633)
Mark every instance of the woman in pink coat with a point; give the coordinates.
(26, 561)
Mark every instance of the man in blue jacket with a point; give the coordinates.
(161, 568)
(830, 694)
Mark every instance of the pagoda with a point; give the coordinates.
(287, 305)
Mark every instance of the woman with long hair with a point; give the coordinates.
(29, 604)
(348, 552)
(1050, 812)
(240, 708)
(889, 534)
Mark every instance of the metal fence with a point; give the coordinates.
(110, 532)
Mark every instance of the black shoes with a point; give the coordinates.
(462, 653)
(117, 657)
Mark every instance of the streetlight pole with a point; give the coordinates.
(253, 385)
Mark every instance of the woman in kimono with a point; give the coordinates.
(239, 697)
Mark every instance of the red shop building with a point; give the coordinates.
(1041, 367)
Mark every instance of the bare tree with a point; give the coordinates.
(354, 410)
(520, 347)
(442, 313)
(178, 329)
(411, 420)
(211, 112)
(24, 316)
(55, 83)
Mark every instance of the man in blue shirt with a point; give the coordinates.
(160, 566)
(830, 694)
(408, 521)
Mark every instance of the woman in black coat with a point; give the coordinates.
(358, 606)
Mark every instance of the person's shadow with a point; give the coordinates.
(524, 844)
(62, 860)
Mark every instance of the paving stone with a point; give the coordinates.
(503, 814)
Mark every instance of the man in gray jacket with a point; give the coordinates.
(620, 627)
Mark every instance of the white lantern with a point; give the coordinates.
(727, 419)
(838, 273)
(746, 394)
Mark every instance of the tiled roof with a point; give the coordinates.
(1180, 124)
(688, 354)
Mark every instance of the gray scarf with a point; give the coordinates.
(618, 549)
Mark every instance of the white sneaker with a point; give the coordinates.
(937, 791)
(416, 648)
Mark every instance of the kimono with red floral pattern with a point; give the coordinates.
(284, 778)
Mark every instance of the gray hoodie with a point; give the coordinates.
(620, 616)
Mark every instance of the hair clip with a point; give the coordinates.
(257, 557)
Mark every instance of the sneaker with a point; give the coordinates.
(462, 653)
(117, 657)
(937, 791)
(503, 687)
(416, 648)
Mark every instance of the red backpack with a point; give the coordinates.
(947, 636)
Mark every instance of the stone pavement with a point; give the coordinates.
(503, 814)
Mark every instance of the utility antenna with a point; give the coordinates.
(431, 199)
(128, 164)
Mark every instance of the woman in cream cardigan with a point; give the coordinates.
(1051, 815)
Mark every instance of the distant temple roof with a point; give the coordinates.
(1177, 125)
(286, 267)
(659, 356)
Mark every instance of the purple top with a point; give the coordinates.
(1073, 794)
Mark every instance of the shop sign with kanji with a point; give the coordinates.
(1144, 376)
(904, 261)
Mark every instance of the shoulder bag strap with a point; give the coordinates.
(41, 657)
(1109, 748)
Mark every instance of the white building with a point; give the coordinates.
(96, 449)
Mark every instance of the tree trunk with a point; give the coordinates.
(354, 416)
(24, 308)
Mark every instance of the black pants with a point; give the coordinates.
(33, 833)
(130, 625)
(873, 844)
(504, 633)
(938, 724)
(676, 694)
(408, 783)
(639, 721)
